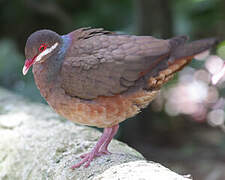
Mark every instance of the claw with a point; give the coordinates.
(79, 164)
(104, 151)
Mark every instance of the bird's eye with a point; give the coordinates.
(42, 47)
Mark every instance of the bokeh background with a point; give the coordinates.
(183, 128)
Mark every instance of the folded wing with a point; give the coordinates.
(100, 63)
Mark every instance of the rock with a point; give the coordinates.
(35, 143)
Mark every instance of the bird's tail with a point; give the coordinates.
(181, 54)
(181, 50)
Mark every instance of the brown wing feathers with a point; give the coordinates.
(110, 67)
(115, 63)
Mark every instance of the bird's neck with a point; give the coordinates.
(47, 74)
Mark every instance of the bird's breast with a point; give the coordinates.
(100, 112)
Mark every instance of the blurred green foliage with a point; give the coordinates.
(199, 18)
(221, 50)
(11, 64)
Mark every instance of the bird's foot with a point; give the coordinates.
(87, 158)
(101, 148)
(98, 154)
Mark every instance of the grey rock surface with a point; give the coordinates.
(37, 144)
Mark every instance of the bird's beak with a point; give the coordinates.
(25, 70)
(27, 65)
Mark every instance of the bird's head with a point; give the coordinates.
(39, 47)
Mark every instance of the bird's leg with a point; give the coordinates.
(106, 137)
(104, 147)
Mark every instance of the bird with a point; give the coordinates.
(100, 78)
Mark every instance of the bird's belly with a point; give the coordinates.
(103, 111)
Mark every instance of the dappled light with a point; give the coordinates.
(197, 93)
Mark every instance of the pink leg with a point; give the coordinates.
(87, 158)
(104, 147)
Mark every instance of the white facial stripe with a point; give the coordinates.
(45, 52)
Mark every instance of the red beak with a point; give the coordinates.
(27, 65)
